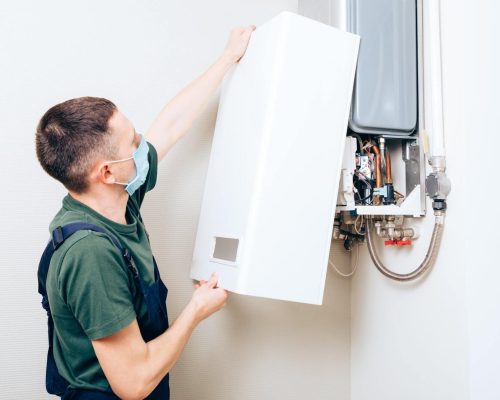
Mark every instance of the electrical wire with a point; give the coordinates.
(399, 194)
(364, 179)
(360, 142)
(356, 224)
(353, 269)
(363, 200)
(368, 185)
(367, 145)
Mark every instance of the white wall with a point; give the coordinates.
(139, 54)
(481, 91)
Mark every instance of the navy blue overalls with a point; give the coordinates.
(155, 297)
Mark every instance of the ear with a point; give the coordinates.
(103, 173)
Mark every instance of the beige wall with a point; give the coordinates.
(437, 339)
(139, 54)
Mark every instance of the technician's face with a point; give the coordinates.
(126, 140)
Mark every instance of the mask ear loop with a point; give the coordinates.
(118, 161)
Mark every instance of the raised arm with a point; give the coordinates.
(178, 115)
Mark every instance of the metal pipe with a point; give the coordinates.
(381, 147)
(426, 263)
(433, 103)
(388, 171)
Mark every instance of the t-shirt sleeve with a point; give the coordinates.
(94, 283)
(150, 181)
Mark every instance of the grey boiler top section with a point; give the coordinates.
(385, 93)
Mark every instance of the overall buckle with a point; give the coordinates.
(57, 237)
(130, 262)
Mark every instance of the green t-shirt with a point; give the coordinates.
(91, 292)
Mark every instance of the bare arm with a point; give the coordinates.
(133, 367)
(178, 115)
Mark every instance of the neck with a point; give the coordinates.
(112, 204)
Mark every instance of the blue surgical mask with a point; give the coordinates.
(140, 157)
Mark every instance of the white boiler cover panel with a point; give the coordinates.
(268, 206)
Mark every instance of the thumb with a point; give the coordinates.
(213, 280)
(248, 31)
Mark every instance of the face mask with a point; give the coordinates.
(140, 157)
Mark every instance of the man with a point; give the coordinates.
(110, 337)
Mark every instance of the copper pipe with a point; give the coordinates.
(378, 172)
(388, 171)
(378, 169)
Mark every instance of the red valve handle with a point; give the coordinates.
(398, 243)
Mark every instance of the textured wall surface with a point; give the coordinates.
(140, 54)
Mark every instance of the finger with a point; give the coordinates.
(213, 280)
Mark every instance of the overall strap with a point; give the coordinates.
(60, 234)
(132, 204)
(55, 383)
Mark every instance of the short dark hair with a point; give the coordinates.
(69, 137)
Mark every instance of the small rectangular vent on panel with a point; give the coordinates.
(225, 249)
